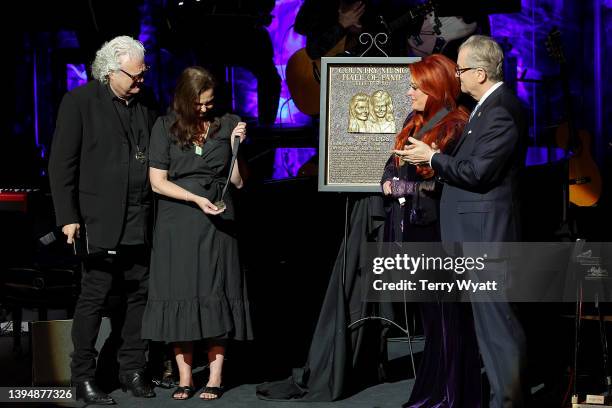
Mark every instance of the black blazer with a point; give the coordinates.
(480, 198)
(88, 166)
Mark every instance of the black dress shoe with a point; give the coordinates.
(89, 392)
(138, 384)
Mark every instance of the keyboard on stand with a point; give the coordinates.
(16, 199)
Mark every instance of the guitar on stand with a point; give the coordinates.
(304, 73)
(584, 177)
(584, 182)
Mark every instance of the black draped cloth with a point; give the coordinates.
(343, 360)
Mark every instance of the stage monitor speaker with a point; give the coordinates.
(52, 348)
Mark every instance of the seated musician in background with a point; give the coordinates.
(452, 23)
(325, 23)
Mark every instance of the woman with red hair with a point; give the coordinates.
(449, 372)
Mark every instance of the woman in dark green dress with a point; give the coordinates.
(196, 287)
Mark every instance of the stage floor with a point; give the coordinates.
(240, 396)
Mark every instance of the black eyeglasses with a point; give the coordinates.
(460, 71)
(138, 77)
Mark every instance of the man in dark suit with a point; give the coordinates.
(102, 198)
(480, 203)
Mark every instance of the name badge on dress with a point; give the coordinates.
(140, 156)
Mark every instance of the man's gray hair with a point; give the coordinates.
(108, 57)
(484, 52)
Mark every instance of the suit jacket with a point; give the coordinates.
(88, 166)
(480, 198)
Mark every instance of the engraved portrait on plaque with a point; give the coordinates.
(381, 113)
(359, 114)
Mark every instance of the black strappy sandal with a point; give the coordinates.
(216, 391)
(187, 389)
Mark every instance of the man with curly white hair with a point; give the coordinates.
(102, 198)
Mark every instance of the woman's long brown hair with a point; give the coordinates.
(190, 84)
(435, 76)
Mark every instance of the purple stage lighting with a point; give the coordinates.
(289, 160)
(285, 42)
(76, 75)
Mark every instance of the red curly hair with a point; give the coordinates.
(435, 76)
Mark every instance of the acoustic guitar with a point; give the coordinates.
(584, 177)
(304, 73)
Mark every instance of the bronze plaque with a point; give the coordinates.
(364, 102)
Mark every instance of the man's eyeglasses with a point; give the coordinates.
(138, 77)
(460, 71)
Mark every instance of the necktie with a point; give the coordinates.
(473, 112)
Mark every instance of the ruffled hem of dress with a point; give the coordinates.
(197, 319)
